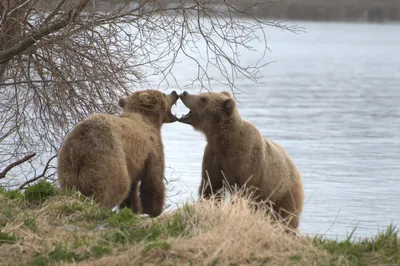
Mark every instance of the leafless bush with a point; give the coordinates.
(61, 61)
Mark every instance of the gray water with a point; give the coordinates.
(332, 99)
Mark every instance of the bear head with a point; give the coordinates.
(208, 110)
(152, 104)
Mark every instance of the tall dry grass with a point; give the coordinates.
(47, 228)
(225, 234)
(199, 233)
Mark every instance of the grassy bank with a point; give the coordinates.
(42, 227)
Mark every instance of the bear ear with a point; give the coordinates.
(226, 93)
(229, 106)
(121, 102)
(144, 97)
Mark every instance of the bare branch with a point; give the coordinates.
(41, 32)
(55, 11)
(65, 60)
(14, 164)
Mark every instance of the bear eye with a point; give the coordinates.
(203, 99)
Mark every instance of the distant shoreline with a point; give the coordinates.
(374, 13)
(371, 11)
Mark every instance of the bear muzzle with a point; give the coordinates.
(173, 99)
(185, 118)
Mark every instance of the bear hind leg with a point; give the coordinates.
(106, 181)
(132, 201)
(152, 187)
(290, 207)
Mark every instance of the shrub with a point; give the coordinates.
(40, 192)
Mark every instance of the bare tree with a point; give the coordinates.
(61, 61)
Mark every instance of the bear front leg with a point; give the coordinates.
(211, 176)
(132, 201)
(152, 187)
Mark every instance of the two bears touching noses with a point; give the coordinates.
(119, 160)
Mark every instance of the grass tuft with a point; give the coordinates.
(40, 192)
(382, 249)
(31, 224)
(11, 194)
(98, 251)
(157, 245)
(7, 238)
(40, 259)
(125, 218)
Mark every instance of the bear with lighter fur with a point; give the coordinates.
(238, 154)
(111, 158)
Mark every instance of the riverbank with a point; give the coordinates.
(42, 227)
(309, 10)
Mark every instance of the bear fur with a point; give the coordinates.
(107, 156)
(237, 153)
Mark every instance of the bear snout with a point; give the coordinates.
(174, 97)
(184, 94)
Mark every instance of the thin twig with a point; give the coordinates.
(41, 175)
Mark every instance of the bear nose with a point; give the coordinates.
(185, 93)
(173, 93)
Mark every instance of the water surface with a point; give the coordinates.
(332, 99)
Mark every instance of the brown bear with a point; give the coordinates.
(237, 153)
(105, 156)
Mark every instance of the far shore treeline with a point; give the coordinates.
(313, 10)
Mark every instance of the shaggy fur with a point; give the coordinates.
(238, 153)
(105, 156)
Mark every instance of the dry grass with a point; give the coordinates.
(70, 230)
(63, 229)
(225, 234)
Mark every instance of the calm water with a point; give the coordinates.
(332, 99)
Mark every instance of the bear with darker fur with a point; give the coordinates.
(111, 158)
(237, 153)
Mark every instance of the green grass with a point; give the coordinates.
(11, 194)
(40, 192)
(7, 238)
(128, 228)
(37, 222)
(40, 259)
(382, 249)
(98, 251)
(64, 254)
(160, 245)
(31, 224)
(59, 253)
(125, 218)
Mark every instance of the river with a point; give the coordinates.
(332, 100)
